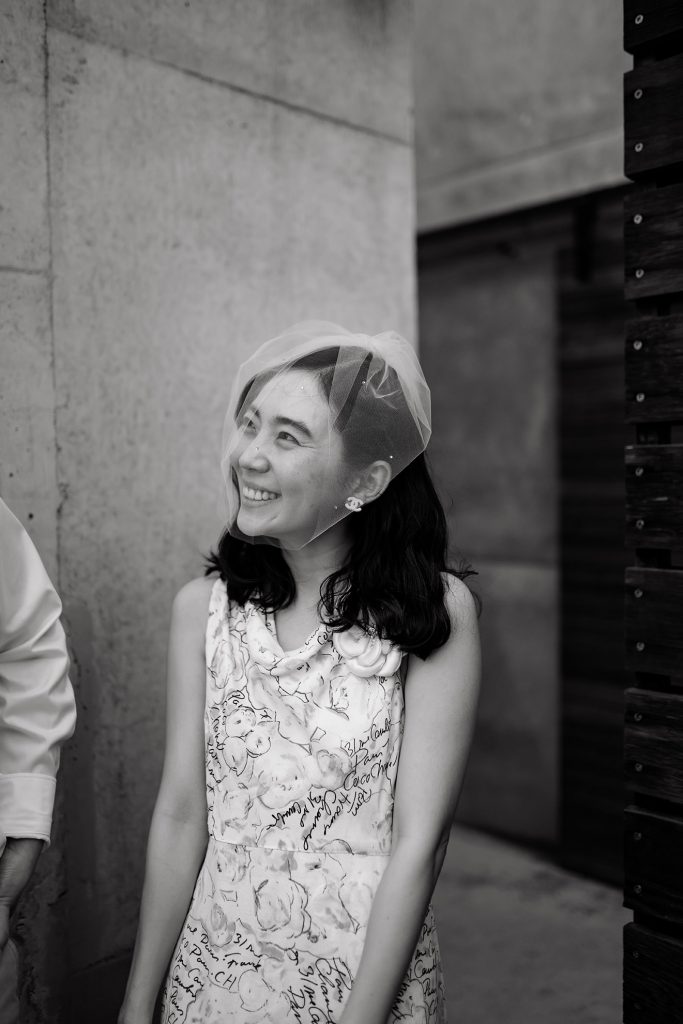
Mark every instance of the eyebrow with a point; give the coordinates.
(283, 421)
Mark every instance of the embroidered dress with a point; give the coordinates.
(302, 751)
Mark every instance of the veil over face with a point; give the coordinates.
(309, 413)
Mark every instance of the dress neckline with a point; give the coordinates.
(312, 642)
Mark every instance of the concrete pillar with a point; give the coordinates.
(200, 177)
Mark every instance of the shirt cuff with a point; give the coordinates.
(26, 803)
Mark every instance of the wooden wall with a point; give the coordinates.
(591, 438)
(653, 740)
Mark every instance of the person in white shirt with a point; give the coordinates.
(37, 714)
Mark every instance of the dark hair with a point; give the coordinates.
(392, 576)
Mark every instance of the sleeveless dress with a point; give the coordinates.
(302, 751)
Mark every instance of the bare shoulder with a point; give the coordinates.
(460, 602)
(191, 603)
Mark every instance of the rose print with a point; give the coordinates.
(231, 863)
(218, 926)
(262, 1001)
(283, 781)
(236, 805)
(263, 694)
(208, 1007)
(235, 754)
(329, 768)
(280, 906)
(257, 740)
(365, 654)
(239, 722)
(301, 758)
(232, 664)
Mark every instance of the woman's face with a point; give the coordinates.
(288, 461)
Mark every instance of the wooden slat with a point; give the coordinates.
(654, 495)
(653, 744)
(653, 258)
(648, 23)
(653, 977)
(654, 369)
(653, 126)
(653, 864)
(653, 606)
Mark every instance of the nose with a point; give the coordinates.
(253, 457)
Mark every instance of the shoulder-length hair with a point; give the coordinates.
(393, 576)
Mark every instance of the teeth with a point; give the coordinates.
(259, 495)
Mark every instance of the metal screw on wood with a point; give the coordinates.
(638, 766)
(640, 523)
(636, 954)
(637, 592)
(639, 19)
(637, 836)
(638, 94)
(637, 344)
(638, 218)
(638, 147)
(638, 716)
(637, 889)
(640, 646)
(639, 470)
(640, 273)
(640, 397)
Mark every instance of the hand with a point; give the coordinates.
(17, 864)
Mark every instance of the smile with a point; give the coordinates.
(258, 495)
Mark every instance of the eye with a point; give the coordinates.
(247, 423)
(288, 436)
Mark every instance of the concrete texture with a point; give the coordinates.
(516, 104)
(23, 182)
(487, 326)
(28, 481)
(512, 780)
(523, 941)
(350, 61)
(190, 222)
(180, 181)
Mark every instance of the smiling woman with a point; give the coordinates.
(278, 469)
(339, 414)
(292, 856)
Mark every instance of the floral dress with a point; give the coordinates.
(302, 751)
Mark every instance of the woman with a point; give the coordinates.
(327, 638)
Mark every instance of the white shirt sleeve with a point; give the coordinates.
(37, 705)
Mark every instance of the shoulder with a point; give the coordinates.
(191, 603)
(459, 601)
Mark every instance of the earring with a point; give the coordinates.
(353, 503)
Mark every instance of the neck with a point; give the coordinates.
(314, 562)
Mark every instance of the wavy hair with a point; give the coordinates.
(392, 576)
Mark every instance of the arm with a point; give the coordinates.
(38, 710)
(178, 835)
(441, 697)
(37, 700)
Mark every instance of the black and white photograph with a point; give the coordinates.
(341, 512)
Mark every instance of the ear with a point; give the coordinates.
(373, 481)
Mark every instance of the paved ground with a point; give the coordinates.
(523, 941)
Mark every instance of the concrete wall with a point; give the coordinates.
(518, 106)
(516, 103)
(487, 333)
(181, 181)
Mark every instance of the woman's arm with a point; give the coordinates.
(441, 696)
(178, 835)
